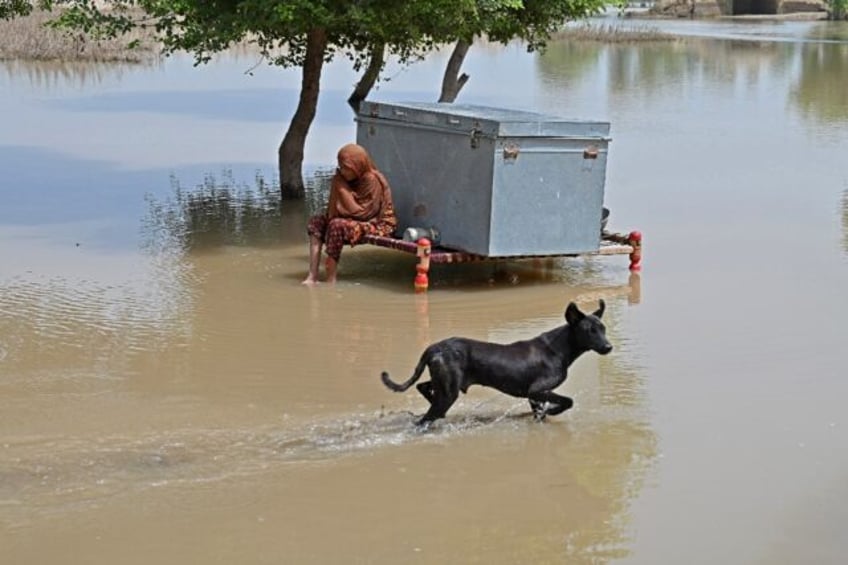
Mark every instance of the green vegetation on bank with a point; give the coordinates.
(838, 9)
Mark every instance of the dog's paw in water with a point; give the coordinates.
(540, 410)
(423, 427)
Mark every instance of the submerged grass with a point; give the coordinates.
(612, 33)
(29, 37)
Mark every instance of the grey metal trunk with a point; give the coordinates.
(492, 181)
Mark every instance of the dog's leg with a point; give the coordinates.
(538, 408)
(432, 414)
(426, 390)
(423, 425)
(432, 395)
(435, 396)
(548, 403)
(442, 392)
(439, 406)
(560, 404)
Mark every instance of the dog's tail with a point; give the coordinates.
(416, 374)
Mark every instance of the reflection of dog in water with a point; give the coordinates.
(525, 369)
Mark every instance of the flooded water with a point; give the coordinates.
(170, 393)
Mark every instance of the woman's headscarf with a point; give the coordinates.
(362, 198)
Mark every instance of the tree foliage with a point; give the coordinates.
(12, 8)
(532, 21)
(278, 29)
(838, 9)
(408, 29)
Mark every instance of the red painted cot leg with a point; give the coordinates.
(635, 241)
(423, 267)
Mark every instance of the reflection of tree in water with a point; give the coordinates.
(222, 212)
(568, 59)
(822, 88)
(653, 67)
(55, 74)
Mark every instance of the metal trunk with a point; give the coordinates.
(492, 181)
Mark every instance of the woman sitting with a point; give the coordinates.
(360, 204)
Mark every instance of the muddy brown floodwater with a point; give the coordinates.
(170, 393)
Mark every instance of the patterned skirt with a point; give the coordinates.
(335, 233)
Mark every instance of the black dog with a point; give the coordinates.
(526, 369)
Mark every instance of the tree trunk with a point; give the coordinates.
(290, 153)
(369, 77)
(453, 82)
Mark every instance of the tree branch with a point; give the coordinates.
(452, 82)
(369, 77)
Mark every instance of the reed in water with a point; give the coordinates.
(608, 33)
(30, 37)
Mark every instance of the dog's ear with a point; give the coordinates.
(573, 313)
(600, 311)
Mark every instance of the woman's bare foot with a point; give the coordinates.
(309, 281)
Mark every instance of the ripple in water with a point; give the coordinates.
(73, 320)
(50, 476)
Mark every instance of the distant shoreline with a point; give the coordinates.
(27, 38)
(648, 14)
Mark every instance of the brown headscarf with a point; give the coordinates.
(363, 198)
